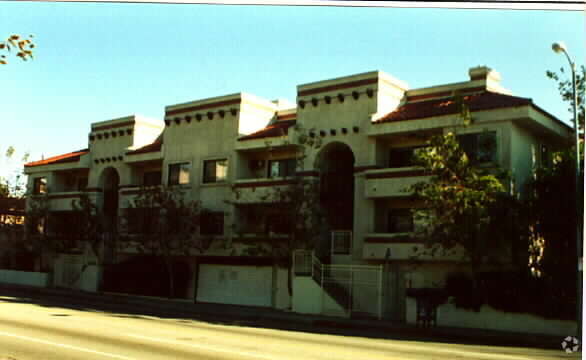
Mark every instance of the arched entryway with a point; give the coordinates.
(109, 182)
(336, 164)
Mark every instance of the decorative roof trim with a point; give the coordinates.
(203, 106)
(347, 85)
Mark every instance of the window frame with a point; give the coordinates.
(346, 251)
(40, 185)
(545, 156)
(214, 180)
(286, 167)
(477, 134)
(170, 174)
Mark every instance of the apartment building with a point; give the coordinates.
(369, 125)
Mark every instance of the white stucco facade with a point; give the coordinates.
(370, 116)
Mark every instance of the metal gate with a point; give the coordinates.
(347, 290)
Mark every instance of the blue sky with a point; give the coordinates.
(95, 62)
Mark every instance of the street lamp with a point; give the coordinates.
(560, 47)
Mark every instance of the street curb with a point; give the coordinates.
(227, 312)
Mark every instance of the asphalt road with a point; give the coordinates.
(32, 330)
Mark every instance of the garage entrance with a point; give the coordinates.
(235, 284)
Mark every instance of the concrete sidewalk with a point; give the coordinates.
(267, 317)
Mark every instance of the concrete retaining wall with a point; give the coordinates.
(70, 272)
(24, 278)
(490, 319)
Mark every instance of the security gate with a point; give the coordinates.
(347, 290)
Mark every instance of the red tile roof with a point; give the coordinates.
(153, 147)
(445, 106)
(279, 128)
(65, 158)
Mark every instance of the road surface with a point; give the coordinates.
(35, 331)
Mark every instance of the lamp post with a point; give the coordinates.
(560, 47)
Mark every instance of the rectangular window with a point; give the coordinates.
(282, 168)
(544, 156)
(179, 173)
(153, 178)
(40, 186)
(341, 242)
(480, 147)
(212, 223)
(400, 221)
(215, 171)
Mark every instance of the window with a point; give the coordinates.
(212, 223)
(480, 147)
(402, 157)
(153, 178)
(215, 171)
(282, 168)
(341, 242)
(40, 186)
(544, 156)
(400, 221)
(179, 173)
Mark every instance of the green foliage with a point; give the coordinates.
(23, 47)
(173, 228)
(89, 224)
(564, 85)
(459, 198)
(551, 210)
(176, 222)
(514, 292)
(298, 204)
(14, 185)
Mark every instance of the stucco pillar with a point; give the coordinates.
(363, 216)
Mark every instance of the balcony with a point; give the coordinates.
(392, 182)
(254, 191)
(404, 246)
(63, 200)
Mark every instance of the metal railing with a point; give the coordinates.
(357, 289)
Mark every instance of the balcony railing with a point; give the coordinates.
(392, 182)
(405, 246)
(258, 190)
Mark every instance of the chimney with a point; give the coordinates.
(484, 73)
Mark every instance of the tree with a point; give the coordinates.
(458, 200)
(13, 186)
(296, 206)
(161, 223)
(88, 227)
(36, 233)
(23, 47)
(565, 89)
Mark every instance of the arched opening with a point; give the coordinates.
(109, 181)
(336, 164)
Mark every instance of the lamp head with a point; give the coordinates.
(559, 47)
